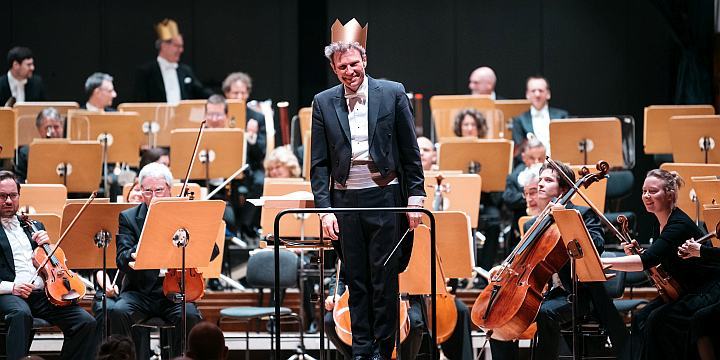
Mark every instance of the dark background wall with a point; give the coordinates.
(601, 57)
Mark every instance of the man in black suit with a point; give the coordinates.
(141, 296)
(364, 154)
(19, 81)
(50, 125)
(165, 79)
(482, 82)
(537, 119)
(100, 92)
(21, 298)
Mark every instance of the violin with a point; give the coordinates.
(62, 286)
(507, 307)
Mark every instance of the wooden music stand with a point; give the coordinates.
(123, 131)
(8, 132)
(294, 225)
(82, 239)
(43, 198)
(27, 113)
(307, 136)
(82, 201)
(461, 192)
(214, 269)
(656, 131)
(194, 188)
(157, 121)
(188, 114)
(493, 158)
(711, 213)
(305, 115)
(51, 223)
(225, 147)
(237, 114)
(444, 108)
(51, 160)
(587, 140)
(687, 171)
(596, 192)
(695, 139)
(511, 109)
(521, 223)
(414, 282)
(707, 189)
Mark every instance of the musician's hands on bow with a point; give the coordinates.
(414, 218)
(22, 290)
(689, 249)
(495, 270)
(330, 302)
(330, 226)
(41, 237)
(628, 248)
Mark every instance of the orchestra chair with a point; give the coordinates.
(261, 274)
(38, 325)
(164, 328)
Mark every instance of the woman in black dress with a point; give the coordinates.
(662, 330)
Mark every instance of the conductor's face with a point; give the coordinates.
(349, 66)
(154, 187)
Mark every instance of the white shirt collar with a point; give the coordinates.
(10, 223)
(166, 65)
(91, 107)
(12, 80)
(542, 112)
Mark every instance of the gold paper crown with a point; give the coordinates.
(167, 29)
(349, 33)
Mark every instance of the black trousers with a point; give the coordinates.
(140, 336)
(77, 325)
(459, 345)
(133, 307)
(367, 239)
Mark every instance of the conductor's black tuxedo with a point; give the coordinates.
(367, 239)
(34, 89)
(149, 85)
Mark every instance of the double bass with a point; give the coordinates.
(509, 304)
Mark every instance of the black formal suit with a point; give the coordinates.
(141, 295)
(556, 312)
(251, 186)
(77, 325)
(368, 238)
(522, 125)
(21, 163)
(34, 89)
(149, 85)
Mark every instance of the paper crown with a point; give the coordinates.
(167, 29)
(349, 33)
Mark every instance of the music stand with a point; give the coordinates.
(490, 158)
(460, 192)
(585, 265)
(51, 223)
(91, 236)
(156, 121)
(711, 213)
(455, 246)
(214, 268)
(595, 193)
(656, 132)
(444, 108)
(43, 198)
(237, 113)
(685, 197)
(27, 113)
(225, 149)
(696, 139)
(292, 226)
(587, 140)
(8, 132)
(179, 234)
(188, 114)
(510, 109)
(75, 164)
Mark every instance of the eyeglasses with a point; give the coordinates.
(150, 192)
(12, 196)
(212, 115)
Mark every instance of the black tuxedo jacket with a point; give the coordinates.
(34, 89)
(149, 86)
(7, 263)
(522, 125)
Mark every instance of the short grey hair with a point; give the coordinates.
(343, 47)
(47, 113)
(217, 99)
(156, 170)
(235, 77)
(94, 81)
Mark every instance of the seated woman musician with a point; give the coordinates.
(661, 328)
(555, 311)
(282, 163)
(470, 123)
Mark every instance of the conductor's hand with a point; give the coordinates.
(330, 226)
(629, 248)
(689, 249)
(41, 237)
(330, 302)
(414, 218)
(22, 290)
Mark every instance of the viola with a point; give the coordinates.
(62, 286)
(507, 307)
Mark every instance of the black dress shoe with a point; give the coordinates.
(361, 357)
(377, 357)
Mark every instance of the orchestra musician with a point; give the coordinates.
(661, 330)
(555, 311)
(50, 125)
(364, 154)
(142, 293)
(21, 300)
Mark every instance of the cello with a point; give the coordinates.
(508, 305)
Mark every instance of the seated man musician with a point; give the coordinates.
(142, 295)
(555, 311)
(50, 125)
(21, 300)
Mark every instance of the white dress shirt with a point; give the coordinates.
(541, 126)
(170, 80)
(17, 87)
(22, 256)
(91, 107)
